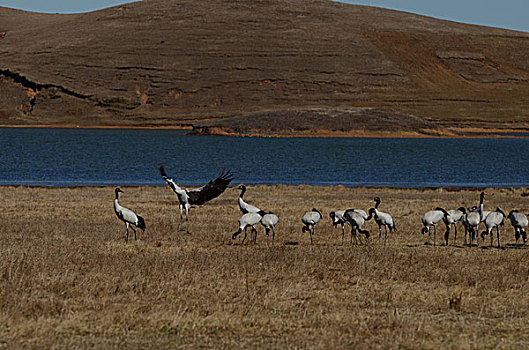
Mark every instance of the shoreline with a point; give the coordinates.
(286, 186)
(75, 126)
(449, 133)
(472, 133)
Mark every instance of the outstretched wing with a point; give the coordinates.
(178, 190)
(211, 190)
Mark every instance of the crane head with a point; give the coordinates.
(116, 191)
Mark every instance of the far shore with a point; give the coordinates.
(449, 132)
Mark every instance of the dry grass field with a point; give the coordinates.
(69, 280)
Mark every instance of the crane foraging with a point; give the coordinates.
(127, 216)
(310, 219)
(248, 220)
(431, 219)
(519, 222)
(493, 220)
(454, 215)
(337, 218)
(197, 196)
(356, 218)
(269, 221)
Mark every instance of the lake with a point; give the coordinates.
(88, 157)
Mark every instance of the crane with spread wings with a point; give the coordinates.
(197, 196)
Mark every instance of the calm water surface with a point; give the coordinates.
(78, 157)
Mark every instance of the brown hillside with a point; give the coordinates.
(166, 63)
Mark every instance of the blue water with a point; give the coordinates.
(80, 157)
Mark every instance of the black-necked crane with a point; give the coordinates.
(338, 219)
(493, 220)
(382, 219)
(468, 227)
(431, 219)
(484, 213)
(473, 219)
(519, 222)
(245, 207)
(310, 219)
(248, 220)
(197, 196)
(127, 216)
(356, 218)
(453, 217)
(269, 222)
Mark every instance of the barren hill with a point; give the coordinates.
(343, 67)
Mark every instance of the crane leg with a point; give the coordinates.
(447, 234)
(245, 234)
(498, 235)
(312, 234)
(181, 217)
(429, 234)
(127, 228)
(134, 232)
(455, 232)
(187, 220)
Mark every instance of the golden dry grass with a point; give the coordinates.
(69, 280)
